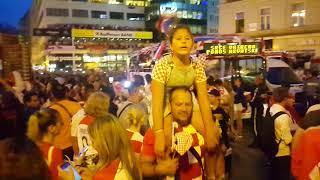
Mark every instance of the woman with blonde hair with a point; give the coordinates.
(97, 105)
(116, 158)
(43, 126)
(135, 116)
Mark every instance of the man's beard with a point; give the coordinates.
(183, 122)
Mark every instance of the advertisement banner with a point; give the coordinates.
(89, 33)
(51, 32)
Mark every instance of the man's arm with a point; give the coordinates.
(151, 168)
(148, 166)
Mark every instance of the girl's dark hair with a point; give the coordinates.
(39, 122)
(20, 158)
(177, 27)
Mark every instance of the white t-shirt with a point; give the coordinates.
(76, 119)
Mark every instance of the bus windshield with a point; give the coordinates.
(247, 68)
(282, 75)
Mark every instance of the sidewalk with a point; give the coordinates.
(247, 163)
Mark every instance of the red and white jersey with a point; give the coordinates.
(194, 171)
(82, 132)
(136, 140)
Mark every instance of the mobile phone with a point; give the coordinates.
(66, 165)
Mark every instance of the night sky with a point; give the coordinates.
(12, 10)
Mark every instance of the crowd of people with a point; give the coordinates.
(173, 124)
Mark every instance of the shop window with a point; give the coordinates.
(116, 15)
(265, 19)
(240, 22)
(298, 14)
(79, 13)
(135, 17)
(99, 14)
(57, 12)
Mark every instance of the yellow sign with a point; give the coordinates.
(82, 33)
(231, 49)
(88, 33)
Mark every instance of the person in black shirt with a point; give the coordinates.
(222, 119)
(258, 98)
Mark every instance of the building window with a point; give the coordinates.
(213, 30)
(135, 17)
(211, 18)
(240, 22)
(298, 14)
(99, 14)
(265, 18)
(57, 12)
(79, 13)
(116, 15)
(99, 1)
(115, 2)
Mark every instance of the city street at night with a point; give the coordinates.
(159, 90)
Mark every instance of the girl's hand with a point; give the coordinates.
(65, 174)
(85, 173)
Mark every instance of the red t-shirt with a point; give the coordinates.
(56, 158)
(109, 172)
(114, 171)
(194, 169)
(306, 155)
(136, 140)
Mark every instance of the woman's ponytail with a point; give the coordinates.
(33, 128)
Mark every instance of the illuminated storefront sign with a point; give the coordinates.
(51, 32)
(232, 49)
(64, 58)
(111, 34)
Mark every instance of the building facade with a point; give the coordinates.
(49, 13)
(213, 16)
(14, 56)
(190, 12)
(97, 33)
(285, 25)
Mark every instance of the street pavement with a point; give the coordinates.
(247, 163)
